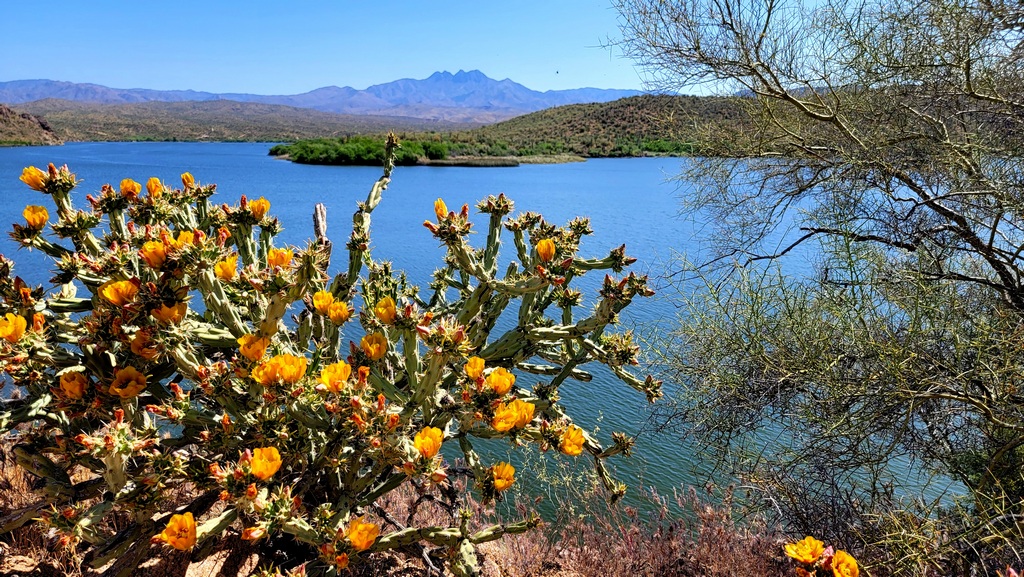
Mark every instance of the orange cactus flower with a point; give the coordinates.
(35, 216)
(142, 346)
(225, 269)
(361, 534)
(339, 312)
(279, 257)
(38, 322)
(130, 189)
(807, 550)
(843, 564)
(287, 369)
(259, 207)
(253, 347)
(504, 475)
(375, 346)
(475, 368)
(154, 187)
(253, 533)
(187, 180)
(34, 178)
(335, 376)
(119, 292)
(385, 310)
(501, 380)
(546, 249)
(440, 209)
(265, 462)
(154, 253)
(170, 315)
(12, 327)
(322, 301)
(572, 441)
(341, 561)
(428, 441)
(74, 384)
(180, 532)
(128, 383)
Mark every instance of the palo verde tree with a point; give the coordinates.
(889, 146)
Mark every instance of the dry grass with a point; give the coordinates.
(622, 542)
(596, 542)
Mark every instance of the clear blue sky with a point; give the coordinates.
(292, 46)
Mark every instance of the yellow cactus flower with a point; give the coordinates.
(524, 412)
(12, 327)
(286, 369)
(505, 418)
(572, 441)
(361, 534)
(375, 346)
(339, 312)
(265, 462)
(74, 384)
(154, 187)
(475, 368)
(128, 383)
(546, 249)
(180, 532)
(184, 239)
(440, 209)
(187, 180)
(259, 207)
(501, 380)
(807, 550)
(34, 178)
(385, 310)
(514, 415)
(279, 257)
(843, 564)
(35, 216)
(504, 475)
(428, 441)
(225, 269)
(154, 253)
(335, 376)
(119, 292)
(322, 301)
(170, 315)
(142, 346)
(130, 189)
(253, 347)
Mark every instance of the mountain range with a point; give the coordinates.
(470, 97)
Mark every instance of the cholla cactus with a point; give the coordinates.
(176, 368)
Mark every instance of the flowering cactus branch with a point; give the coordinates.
(299, 434)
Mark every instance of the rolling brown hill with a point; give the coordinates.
(216, 120)
(22, 128)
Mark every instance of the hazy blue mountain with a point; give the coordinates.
(443, 95)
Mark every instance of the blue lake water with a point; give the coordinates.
(629, 201)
